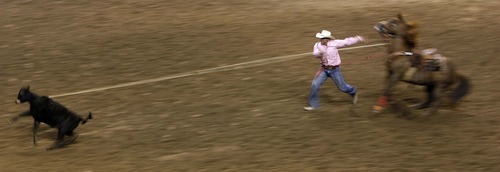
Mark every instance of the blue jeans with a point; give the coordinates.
(336, 75)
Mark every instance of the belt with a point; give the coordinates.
(330, 67)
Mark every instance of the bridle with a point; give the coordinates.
(382, 29)
(390, 31)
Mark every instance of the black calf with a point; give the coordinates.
(44, 109)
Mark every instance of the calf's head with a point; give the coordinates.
(24, 95)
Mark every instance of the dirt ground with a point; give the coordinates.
(248, 119)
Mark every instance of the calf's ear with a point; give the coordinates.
(28, 87)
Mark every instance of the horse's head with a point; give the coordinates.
(398, 28)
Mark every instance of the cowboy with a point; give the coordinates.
(327, 52)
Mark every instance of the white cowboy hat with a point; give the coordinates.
(324, 34)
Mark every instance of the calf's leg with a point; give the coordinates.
(15, 118)
(66, 129)
(36, 124)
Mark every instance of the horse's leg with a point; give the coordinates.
(429, 89)
(436, 102)
(382, 102)
(461, 89)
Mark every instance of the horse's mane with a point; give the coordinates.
(411, 36)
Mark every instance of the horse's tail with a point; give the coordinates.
(462, 88)
(87, 118)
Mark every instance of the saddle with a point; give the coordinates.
(433, 61)
(427, 60)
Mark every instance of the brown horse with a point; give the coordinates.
(428, 68)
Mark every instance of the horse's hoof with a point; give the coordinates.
(377, 109)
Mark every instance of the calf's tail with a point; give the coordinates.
(87, 118)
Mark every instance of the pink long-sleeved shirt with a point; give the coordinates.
(329, 54)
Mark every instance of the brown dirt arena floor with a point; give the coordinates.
(249, 119)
